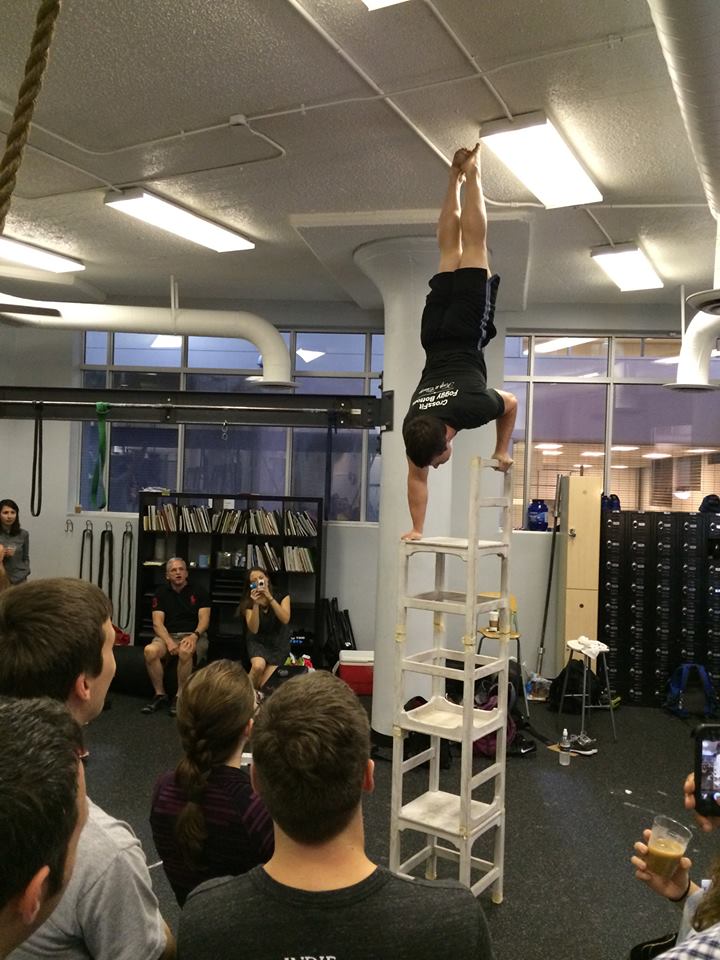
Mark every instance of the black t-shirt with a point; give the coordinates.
(453, 387)
(180, 609)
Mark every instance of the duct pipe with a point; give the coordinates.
(689, 35)
(120, 319)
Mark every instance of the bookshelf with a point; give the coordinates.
(220, 537)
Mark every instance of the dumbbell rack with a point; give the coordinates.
(452, 822)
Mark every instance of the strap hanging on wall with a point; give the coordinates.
(36, 482)
(107, 546)
(126, 559)
(97, 490)
(87, 539)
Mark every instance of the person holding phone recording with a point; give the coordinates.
(268, 626)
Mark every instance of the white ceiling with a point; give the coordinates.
(325, 165)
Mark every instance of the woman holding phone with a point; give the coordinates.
(14, 544)
(268, 626)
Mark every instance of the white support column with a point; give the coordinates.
(401, 269)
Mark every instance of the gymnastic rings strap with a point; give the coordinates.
(107, 546)
(87, 537)
(126, 554)
(36, 484)
(97, 490)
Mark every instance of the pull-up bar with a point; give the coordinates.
(175, 406)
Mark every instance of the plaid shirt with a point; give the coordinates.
(703, 946)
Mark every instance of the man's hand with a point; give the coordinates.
(672, 887)
(412, 535)
(706, 823)
(188, 644)
(172, 647)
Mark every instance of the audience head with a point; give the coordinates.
(425, 440)
(42, 811)
(214, 718)
(311, 756)
(10, 516)
(56, 640)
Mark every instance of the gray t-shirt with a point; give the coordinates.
(108, 910)
(382, 917)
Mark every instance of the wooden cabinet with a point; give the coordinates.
(578, 560)
(220, 537)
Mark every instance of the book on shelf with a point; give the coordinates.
(298, 560)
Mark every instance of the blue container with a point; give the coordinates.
(537, 515)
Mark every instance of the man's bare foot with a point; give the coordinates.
(504, 462)
(471, 161)
(460, 157)
(412, 535)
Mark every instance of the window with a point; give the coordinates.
(652, 446)
(343, 465)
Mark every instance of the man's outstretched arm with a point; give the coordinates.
(417, 490)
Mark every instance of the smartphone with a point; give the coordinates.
(707, 769)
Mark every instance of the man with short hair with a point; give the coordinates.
(181, 617)
(56, 640)
(43, 809)
(311, 765)
(457, 323)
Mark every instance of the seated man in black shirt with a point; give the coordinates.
(457, 323)
(181, 616)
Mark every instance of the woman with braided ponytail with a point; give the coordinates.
(206, 820)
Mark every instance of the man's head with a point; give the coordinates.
(426, 442)
(42, 811)
(56, 640)
(176, 573)
(311, 750)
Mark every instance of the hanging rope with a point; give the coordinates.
(27, 96)
(36, 481)
(97, 490)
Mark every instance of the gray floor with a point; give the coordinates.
(569, 889)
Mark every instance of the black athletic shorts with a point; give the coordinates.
(459, 310)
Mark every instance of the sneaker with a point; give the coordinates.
(158, 702)
(583, 744)
(173, 707)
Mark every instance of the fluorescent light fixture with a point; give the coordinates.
(587, 376)
(378, 4)
(619, 466)
(682, 494)
(552, 453)
(18, 252)
(531, 147)
(166, 341)
(656, 456)
(702, 450)
(562, 343)
(668, 360)
(548, 446)
(592, 453)
(587, 466)
(168, 216)
(619, 448)
(627, 266)
(309, 355)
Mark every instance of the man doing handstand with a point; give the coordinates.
(457, 323)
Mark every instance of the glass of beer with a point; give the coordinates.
(667, 844)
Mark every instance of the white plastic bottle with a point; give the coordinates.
(564, 749)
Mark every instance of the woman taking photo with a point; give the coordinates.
(14, 544)
(206, 820)
(268, 626)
